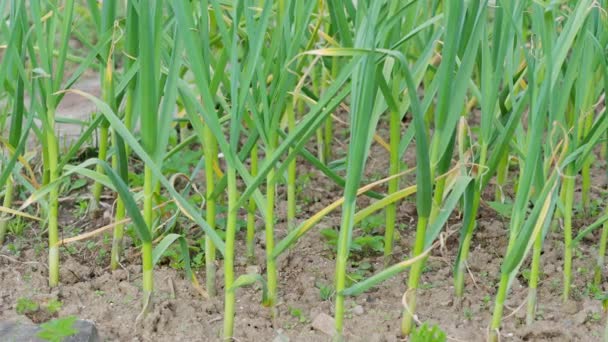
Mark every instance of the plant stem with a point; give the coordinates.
(117, 237)
(146, 249)
(534, 277)
(437, 198)
(7, 202)
(229, 297)
(606, 332)
(586, 169)
(317, 88)
(271, 269)
(251, 209)
(52, 147)
(102, 154)
(329, 126)
(413, 279)
(210, 151)
(493, 334)
(393, 184)
(568, 188)
(601, 253)
(291, 172)
(502, 172)
(320, 148)
(460, 270)
(341, 264)
(329, 131)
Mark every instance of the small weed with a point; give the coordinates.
(592, 290)
(16, 226)
(372, 223)
(101, 255)
(82, 208)
(91, 245)
(107, 239)
(69, 185)
(468, 314)
(486, 300)
(326, 292)
(426, 333)
(198, 260)
(26, 305)
(540, 314)
(58, 329)
(427, 286)
(54, 306)
(297, 313)
(526, 274)
(364, 245)
(14, 248)
(70, 249)
(555, 284)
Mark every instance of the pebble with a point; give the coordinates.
(358, 310)
(570, 307)
(280, 337)
(580, 318)
(253, 269)
(324, 323)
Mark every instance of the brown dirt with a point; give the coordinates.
(113, 299)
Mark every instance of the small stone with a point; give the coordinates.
(571, 307)
(580, 318)
(280, 337)
(19, 331)
(324, 323)
(358, 310)
(253, 269)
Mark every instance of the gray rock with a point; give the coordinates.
(281, 337)
(253, 269)
(324, 323)
(580, 318)
(12, 331)
(358, 310)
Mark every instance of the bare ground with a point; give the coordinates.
(113, 299)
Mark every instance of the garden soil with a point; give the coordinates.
(113, 300)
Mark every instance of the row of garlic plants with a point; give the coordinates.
(487, 87)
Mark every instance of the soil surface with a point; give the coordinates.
(113, 300)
